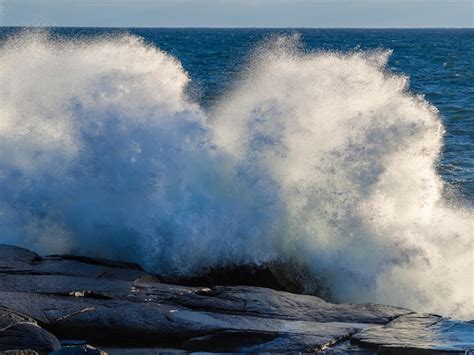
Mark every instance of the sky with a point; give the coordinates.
(238, 13)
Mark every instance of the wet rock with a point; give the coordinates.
(14, 259)
(87, 267)
(119, 306)
(231, 275)
(21, 334)
(78, 350)
(287, 276)
(228, 340)
(420, 333)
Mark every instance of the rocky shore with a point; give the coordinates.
(80, 305)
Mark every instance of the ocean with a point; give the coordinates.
(348, 150)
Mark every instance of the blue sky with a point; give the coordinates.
(238, 13)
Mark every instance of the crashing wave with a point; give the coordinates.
(325, 158)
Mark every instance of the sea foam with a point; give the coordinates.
(322, 157)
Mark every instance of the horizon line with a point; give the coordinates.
(240, 27)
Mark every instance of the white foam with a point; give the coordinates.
(353, 153)
(101, 153)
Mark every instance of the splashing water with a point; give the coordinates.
(323, 157)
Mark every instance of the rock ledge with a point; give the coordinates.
(77, 305)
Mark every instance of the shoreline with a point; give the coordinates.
(63, 304)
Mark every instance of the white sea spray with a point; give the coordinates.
(322, 157)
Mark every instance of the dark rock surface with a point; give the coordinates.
(78, 350)
(120, 308)
(281, 276)
(22, 333)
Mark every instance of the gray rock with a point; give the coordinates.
(420, 332)
(15, 259)
(288, 275)
(119, 306)
(21, 334)
(78, 350)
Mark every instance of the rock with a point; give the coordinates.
(143, 351)
(231, 275)
(418, 333)
(78, 350)
(120, 307)
(21, 334)
(88, 267)
(281, 276)
(14, 259)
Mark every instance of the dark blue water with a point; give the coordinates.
(438, 61)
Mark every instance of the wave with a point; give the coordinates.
(322, 157)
